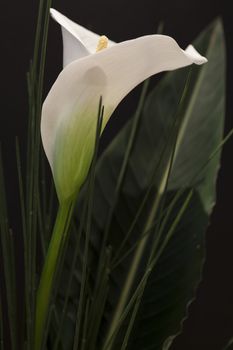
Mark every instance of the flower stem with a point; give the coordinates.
(47, 280)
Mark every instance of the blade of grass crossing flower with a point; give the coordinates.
(123, 168)
(88, 229)
(101, 273)
(120, 179)
(53, 267)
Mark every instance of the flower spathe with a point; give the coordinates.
(69, 113)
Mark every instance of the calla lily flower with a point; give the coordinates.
(95, 67)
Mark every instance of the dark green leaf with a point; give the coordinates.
(165, 299)
(172, 283)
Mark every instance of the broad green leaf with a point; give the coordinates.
(202, 132)
(171, 285)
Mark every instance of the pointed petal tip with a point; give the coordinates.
(195, 56)
(57, 16)
(53, 12)
(60, 19)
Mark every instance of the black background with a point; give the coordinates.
(211, 315)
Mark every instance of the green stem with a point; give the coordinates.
(49, 270)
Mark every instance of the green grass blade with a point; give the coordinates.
(139, 290)
(35, 80)
(1, 326)
(121, 175)
(165, 214)
(82, 298)
(154, 209)
(151, 266)
(158, 232)
(25, 241)
(8, 261)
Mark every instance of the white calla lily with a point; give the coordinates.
(69, 113)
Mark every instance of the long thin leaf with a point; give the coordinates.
(8, 261)
(83, 299)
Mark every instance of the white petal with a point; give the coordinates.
(70, 108)
(72, 48)
(129, 63)
(194, 55)
(68, 127)
(77, 40)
